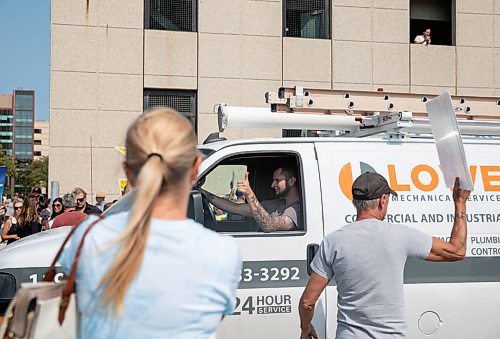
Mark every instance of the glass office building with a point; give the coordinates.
(23, 119)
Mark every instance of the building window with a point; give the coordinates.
(37, 153)
(23, 133)
(23, 151)
(306, 19)
(23, 118)
(183, 102)
(170, 15)
(24, 100)
(38, 131)
(438, 16)
(37, 142)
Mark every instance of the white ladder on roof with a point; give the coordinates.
(380, 112)
(360, 113)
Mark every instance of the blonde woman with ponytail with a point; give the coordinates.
(150, 272)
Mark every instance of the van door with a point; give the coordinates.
(274, 264)
(442, 300)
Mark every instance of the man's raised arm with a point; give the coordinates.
(267, 222)
(456, 248)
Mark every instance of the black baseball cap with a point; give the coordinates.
(369, 186)
(36, 190)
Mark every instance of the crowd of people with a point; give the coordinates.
(22, 215)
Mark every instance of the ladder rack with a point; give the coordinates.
(377, 112)
(327, 101)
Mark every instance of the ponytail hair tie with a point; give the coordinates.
(155, 154)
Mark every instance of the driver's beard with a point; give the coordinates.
(285, 191)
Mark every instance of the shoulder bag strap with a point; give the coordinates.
(69, 288)
(51, 273)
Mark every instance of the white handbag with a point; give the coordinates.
(46, 309)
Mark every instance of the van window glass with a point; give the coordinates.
(275, 181)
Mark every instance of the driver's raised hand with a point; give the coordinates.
(244, 186)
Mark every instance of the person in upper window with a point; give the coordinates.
(281, 214)
(424, 39)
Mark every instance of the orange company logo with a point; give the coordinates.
(422, 177)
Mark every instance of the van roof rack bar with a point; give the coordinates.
(257, 117)
(341, 102)
(343, 125)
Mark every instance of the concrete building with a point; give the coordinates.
(110, 60)
(41, 139)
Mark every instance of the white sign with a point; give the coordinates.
(449, 142)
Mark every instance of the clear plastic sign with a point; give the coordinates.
(448, 141)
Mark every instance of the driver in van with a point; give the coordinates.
(281, 214)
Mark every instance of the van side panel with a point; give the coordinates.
(274, 272)
(443, 300)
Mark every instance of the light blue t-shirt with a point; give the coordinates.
(367, 260)
(187, 281)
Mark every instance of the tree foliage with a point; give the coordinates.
(7, 161)
(38, 173)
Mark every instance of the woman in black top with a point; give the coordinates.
(9, 231)
(29, 221)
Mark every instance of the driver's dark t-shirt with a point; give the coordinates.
(279, 207)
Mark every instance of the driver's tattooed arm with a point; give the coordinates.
(268, 222)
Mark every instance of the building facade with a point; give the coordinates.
(23, 123)
(6, 122)
(17, 116)
(109, 62)
(41, 137)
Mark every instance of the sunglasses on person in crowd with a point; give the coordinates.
(17, 207)
(57, 205)
(80, 200)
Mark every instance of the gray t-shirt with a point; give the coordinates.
(279, 207)
(367, 259)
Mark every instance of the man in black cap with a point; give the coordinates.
(367, 259)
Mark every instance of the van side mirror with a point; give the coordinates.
(8, 289)
(312, 249)
(195, 207)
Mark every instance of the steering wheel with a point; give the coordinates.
(208, 215)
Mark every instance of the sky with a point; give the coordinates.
(25, 50)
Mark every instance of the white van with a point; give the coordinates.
(443, 300)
